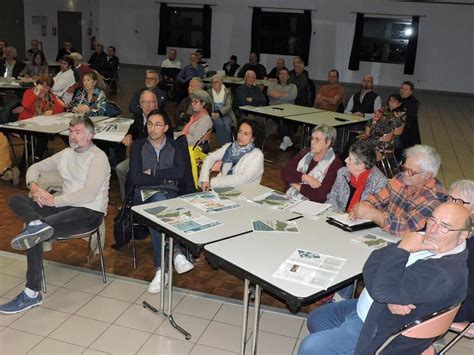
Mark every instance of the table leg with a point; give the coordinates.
(162, 281)
(32, 149)
(256, 318)
(25, 139)
(245, 317)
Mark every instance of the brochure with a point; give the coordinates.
(372, 241)
(274, 226)
(276, 200)
(209, 202)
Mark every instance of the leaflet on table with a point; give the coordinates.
(226, 192)
(49, 120)
(310, 268)
(275, 199)
(182, 219)
(310, 209)
(209, 201)
(274, 226)
(372, 241)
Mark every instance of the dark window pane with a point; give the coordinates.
(185, 27)
(281, 33)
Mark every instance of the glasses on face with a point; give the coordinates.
(156, 124)
(410, 171)
(145, 103)
(214, 82)
(459, 201)
(152, 78)
(442, 228)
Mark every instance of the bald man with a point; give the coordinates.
(365, 102)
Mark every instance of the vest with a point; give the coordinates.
(367, 104)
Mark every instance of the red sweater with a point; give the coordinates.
(290, 175)
(29, 100)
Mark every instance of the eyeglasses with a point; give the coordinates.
(153, 78)
(410, 171)
(147, 102)
(157, 124)
(459, 201)
(443, 228)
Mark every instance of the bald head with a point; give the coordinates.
(367, 82)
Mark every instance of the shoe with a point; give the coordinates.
(286, 143)
(34, 233)
(7, 174)
(21, 303)
(16, 176)
(181, 264)
(155, 284)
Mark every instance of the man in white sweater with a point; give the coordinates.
(85, 172)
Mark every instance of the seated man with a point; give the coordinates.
(409, 198)
(110, 68)
(152, 79)
(253, 65)
(404, 282)
(330, 95)
(30, 53)
(66, 50)
(171, 61)
(98, 58)
(10, 67)
(230, 67)
(184, 110)
(365, 102)
(64, 80)
(280, 63)
(192, 70)
(79, 68)
(137, 130)
(300, 77)
(248, 94)
(411, 134)
(85, 172)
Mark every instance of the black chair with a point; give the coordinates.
(168, 84)
(112, 109)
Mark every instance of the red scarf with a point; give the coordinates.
(359, 184)
(193, 119)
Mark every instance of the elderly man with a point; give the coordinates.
(365, 102)
(330, 95)
(152, 80)
(300, 77)
(280, 63)
(423, 274)
(248, 94)
(98, 58)
(79, 68)
(171, 61)
(9, 66)
(148, 102)
(193, 69)
(85, 172)
(409, 198)
(66, 50)
(64, 80)
(253, 64)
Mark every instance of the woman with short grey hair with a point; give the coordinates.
(222, 115)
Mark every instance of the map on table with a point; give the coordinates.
(276, 200)
(209, 202)
(182, 219)
(226, 192)
(310, 268)
(372, 241)
(274, 226)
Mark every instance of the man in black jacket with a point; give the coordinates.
(411, 133)
(405, 282)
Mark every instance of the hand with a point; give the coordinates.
(147, 171)
(48, 113)
(311, 181)
(41, 196)
(217, 166)
(204, 185)
(37, 89)
(400, 310)
(215, 115)
(414, 242)
(127, 140)
(249, 99)
(81, 109)
(296, 186)
(361, 210)
(360, 114)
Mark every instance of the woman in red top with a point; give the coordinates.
(38, 101)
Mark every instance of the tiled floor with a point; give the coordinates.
(82, 315)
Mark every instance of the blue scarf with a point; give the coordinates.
(234, 153)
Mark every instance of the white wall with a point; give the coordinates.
(50, 8)
(445, 56)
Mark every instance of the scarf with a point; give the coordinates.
(359, 185)
(44, 104)
(193, 119)
(218, 98)
(318, 172)
(232, 155)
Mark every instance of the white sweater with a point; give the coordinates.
(85, 177)
(248, 169)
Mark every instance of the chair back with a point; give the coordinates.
(431, 326)
(112, 109)
(187, 184)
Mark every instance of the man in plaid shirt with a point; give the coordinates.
(409, 198)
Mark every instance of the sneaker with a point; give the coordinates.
(181, 264)
(155, 284)
(21, 303)
(7, 174)
(287, 143)
(16, 176)
(34, 233)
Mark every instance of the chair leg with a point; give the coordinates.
(102, 264)
(43, 279)
(455, 340)
(134, 250)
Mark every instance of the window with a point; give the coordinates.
(185, 27)
(385, 40)
(283, 33)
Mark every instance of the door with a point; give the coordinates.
(70, 29)
(12, 26)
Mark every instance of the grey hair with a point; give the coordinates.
(328, 132)
(154, 72)
(465, 189)
(148, 92)
(431, 160)
(199, 81)
(13, 49)
(204, 97)
(86, 121)
(217, 77)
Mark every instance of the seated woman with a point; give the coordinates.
(384, 122)
(312, 172)
(37, 67)
(89, 100)
(200, 122)
(40, 101)
(222, 115)
(236, 163)
(157, 163)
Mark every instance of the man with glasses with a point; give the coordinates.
(148, 102)
(420, 275)
(152, 79)
(409, 198)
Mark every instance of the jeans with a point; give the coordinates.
(66, 221)
(121, 169)
(223, 127)
(164, 194)
(334, 328)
